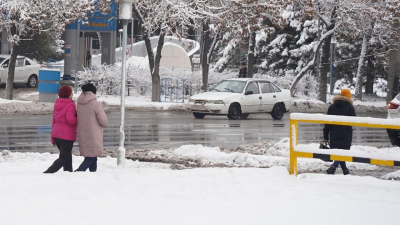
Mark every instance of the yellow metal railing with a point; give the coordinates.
(296, 118)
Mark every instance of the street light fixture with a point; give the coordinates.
(125, 14)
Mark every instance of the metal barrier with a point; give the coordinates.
(335, 154)
(172, 89)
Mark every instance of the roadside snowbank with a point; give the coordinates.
(260, 155)
(144, 103)
(144, 193)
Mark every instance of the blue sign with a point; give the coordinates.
(96, 24)
(99, 21)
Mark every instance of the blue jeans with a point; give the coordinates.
(341, 163)
(89, 162)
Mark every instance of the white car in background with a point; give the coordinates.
(26, 70)
(240, 97)
(394, 113)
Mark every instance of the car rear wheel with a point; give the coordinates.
(244, 116)
(278, 111)
(32, 81)
(234, 111)
(199, 115)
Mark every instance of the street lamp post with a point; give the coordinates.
(120, 38)
(125, 14)
(333, 48)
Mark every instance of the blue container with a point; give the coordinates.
(49, 75)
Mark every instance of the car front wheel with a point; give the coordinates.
(32, 81)
(278, 111)
(199, 115)
(234, 111)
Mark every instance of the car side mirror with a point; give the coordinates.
(4, 66)
(249, 93)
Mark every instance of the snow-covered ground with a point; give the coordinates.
(152, 193)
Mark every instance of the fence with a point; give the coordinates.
(335, 154)
(54, 64)
(172, 90)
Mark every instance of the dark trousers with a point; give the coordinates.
(89, 162)
(65, 158)
(341, 163)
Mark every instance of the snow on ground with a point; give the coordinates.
(145, 193)
(259, 155)
(143, 102)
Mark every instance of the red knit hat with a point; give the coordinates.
(65, 91)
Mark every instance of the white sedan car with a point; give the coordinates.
(237, 98)
(26, 70)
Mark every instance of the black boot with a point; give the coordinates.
(331, 170)
(346, 171)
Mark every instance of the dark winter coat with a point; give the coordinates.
(243, 73)
(340, 136)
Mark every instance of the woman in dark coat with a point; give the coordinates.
(340, 136)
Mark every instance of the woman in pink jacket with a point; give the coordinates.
(91, 121)
(63, 133)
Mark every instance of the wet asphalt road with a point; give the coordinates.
(159, 129)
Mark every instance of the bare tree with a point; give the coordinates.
(164, 17)
(23, 17)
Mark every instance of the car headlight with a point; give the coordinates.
(216, 102)
(191, 100)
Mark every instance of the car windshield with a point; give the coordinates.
(233, 86)
(2, 59)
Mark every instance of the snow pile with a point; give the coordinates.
(392, 176)
(32, 107)
(26, 107)
(202, 196)
(261, 155)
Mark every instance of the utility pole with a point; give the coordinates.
(333, 47)
(125, 14)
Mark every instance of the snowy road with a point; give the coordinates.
(160, 129)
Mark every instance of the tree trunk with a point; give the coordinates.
(394, 66)
(359, 78)
(369, 84)
(11, 72)
(155, 76)
(250, 54)
(205, 47)
(150, 52)
(324, 69)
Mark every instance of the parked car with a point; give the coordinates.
(394, 113)
(26, 70)
(240, 97)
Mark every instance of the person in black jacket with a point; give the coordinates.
(340, 136)
(243, 71)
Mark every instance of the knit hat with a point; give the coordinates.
(346, 93)
(89, 87)
(65, 92)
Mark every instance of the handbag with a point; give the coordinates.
(325, 145)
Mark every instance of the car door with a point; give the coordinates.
(268, 96)
(252, 100)
(20, 73)
(4, 71)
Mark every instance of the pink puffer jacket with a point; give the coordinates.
(64, 120)
(91, 121)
